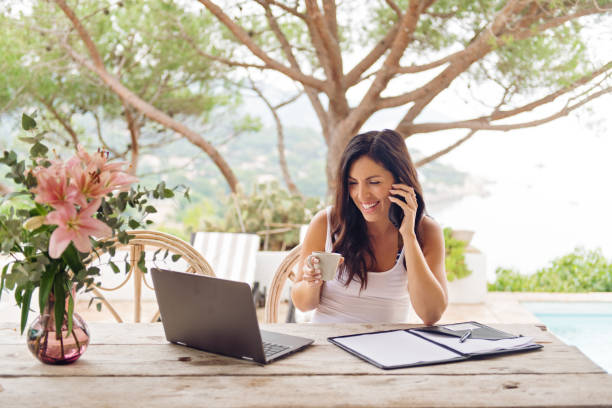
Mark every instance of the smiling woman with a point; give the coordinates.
(391, 260)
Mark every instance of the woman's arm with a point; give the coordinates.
(306, 292)
(424, 266)
(426, 274)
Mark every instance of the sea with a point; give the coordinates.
(548, 191)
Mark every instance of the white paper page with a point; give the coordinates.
(461, 326)
(396, 348)
(478, 345)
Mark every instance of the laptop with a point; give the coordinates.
(218, 316)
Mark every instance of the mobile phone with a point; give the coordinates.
(396, 214)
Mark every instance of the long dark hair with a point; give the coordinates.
(349, 232)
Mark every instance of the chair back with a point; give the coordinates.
(231, 255)
(283, 272)
(159, 249)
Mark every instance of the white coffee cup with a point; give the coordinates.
(328, 263)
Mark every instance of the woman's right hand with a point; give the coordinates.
(312, 276)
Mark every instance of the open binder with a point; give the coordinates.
(432, 344)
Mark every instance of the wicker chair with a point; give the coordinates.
(145, 241)
(284, 272)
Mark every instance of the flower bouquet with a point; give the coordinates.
(51, 226)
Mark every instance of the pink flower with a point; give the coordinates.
(94, 178)
(76, 227)
(53, 186)
(94, 184)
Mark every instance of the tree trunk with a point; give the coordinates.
(339, 138)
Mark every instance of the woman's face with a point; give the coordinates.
(369, 184)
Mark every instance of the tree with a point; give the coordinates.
(147, 47)
(137, 51)
(411, 51)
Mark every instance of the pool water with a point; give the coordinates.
(586, 325)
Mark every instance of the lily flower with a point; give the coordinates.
(54, 188)
(93, 177)
(94, 184)
(75, 227)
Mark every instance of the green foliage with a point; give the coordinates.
(270, 211)
(454, 261)
(545, 60)
(25, 237)
(142, 43)
(578, 271)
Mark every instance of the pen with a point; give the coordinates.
(465, 336)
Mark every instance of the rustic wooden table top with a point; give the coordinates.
(133, 365)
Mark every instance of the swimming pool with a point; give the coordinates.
(586, 325)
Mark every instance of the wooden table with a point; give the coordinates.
(133, 365)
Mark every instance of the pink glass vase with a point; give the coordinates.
(51, 347)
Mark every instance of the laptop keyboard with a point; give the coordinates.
(271, 348)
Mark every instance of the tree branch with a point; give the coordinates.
(101, 139)
(288, 9)
(280, 145)
(76, 23)
(395, 8)
(353, 76)
(518, 34)
(413, 69)
(222, 60)
(62, 121)
(333, 68)
(368, 104)
(444, 151)
(477, 49)
(244, 38)
(134, 129)
(289, 101)
(549, 98)
(483, 124)
(287, 50)
(329, 10)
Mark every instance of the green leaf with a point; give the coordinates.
(133, 223)
(46, 283)
(27, 123)
(2, 278)
(71, 257)
(25, 306)
(99, 306)
(155, 253)
(150, 209)
(114, 267)
(59, 293)
(70, 312)
(141, 263)
(176, 257)
(39, 150)
(168, 193)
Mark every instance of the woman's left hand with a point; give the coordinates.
(409, 207)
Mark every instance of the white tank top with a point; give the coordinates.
(385, 299)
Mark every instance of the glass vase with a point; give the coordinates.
(51, 347)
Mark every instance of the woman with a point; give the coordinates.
(385, 269)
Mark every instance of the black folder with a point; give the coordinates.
(428, 345)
